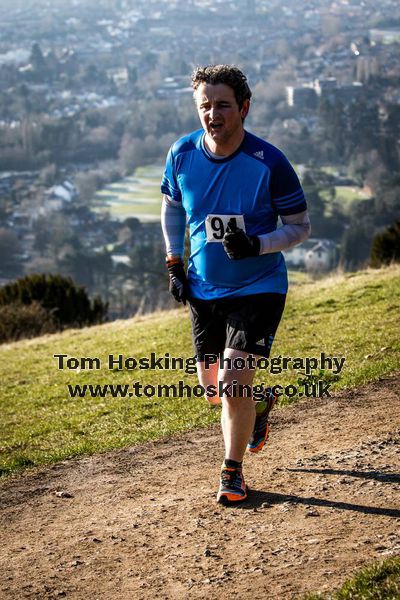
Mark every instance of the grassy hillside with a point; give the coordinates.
(380, 581)
(353, 316)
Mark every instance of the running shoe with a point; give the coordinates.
(261, 426)
(232, 488)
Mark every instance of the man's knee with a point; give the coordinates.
(231, 389)
(208, 378)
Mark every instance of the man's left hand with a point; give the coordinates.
(237, 244)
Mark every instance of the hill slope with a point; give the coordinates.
(355, 317)
(143, 523)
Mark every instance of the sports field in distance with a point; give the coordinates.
(135, 196)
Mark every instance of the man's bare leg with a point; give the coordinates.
(237, 422)
(238, 413)
(208, 377)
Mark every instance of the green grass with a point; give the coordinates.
(345, 196)
(299, 277)
(355, 316)
(331, 170)
(380, 581)
(135, 196)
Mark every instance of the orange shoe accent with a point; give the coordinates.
(261, 425)
(232, 489)
(261, 444)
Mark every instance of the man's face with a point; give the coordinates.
(219, 113)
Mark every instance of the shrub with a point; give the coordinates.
(24, 321)
(386, 246)
(55, 299)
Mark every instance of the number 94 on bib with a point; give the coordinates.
(216, 226)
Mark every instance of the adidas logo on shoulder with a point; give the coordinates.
(259, 154)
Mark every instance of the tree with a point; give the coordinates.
(332, 130)
(87, 185)
(77, 262)
(386, 246)
(315, 203)
(37, 59)
(48, 174)
(42, 235)
(132, 75)
(4, 202)
(331, 25)
(67, 303)
(131, 153)
(356, 243)
(9, 248)
(363, 128)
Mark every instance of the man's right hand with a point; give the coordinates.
(178, 285)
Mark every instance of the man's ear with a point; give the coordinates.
(245, 108)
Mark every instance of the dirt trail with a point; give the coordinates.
(143, 522)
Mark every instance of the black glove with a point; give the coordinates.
(238, 244)
(178, 285)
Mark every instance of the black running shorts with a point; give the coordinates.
(246, 323)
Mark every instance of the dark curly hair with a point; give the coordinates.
(227, 74)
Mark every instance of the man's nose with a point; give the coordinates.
(213, 112)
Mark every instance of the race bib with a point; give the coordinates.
(216, 226)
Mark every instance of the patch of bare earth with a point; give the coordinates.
(143, 522)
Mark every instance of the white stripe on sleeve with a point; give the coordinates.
(173, 222)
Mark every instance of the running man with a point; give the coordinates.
(230, 186)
